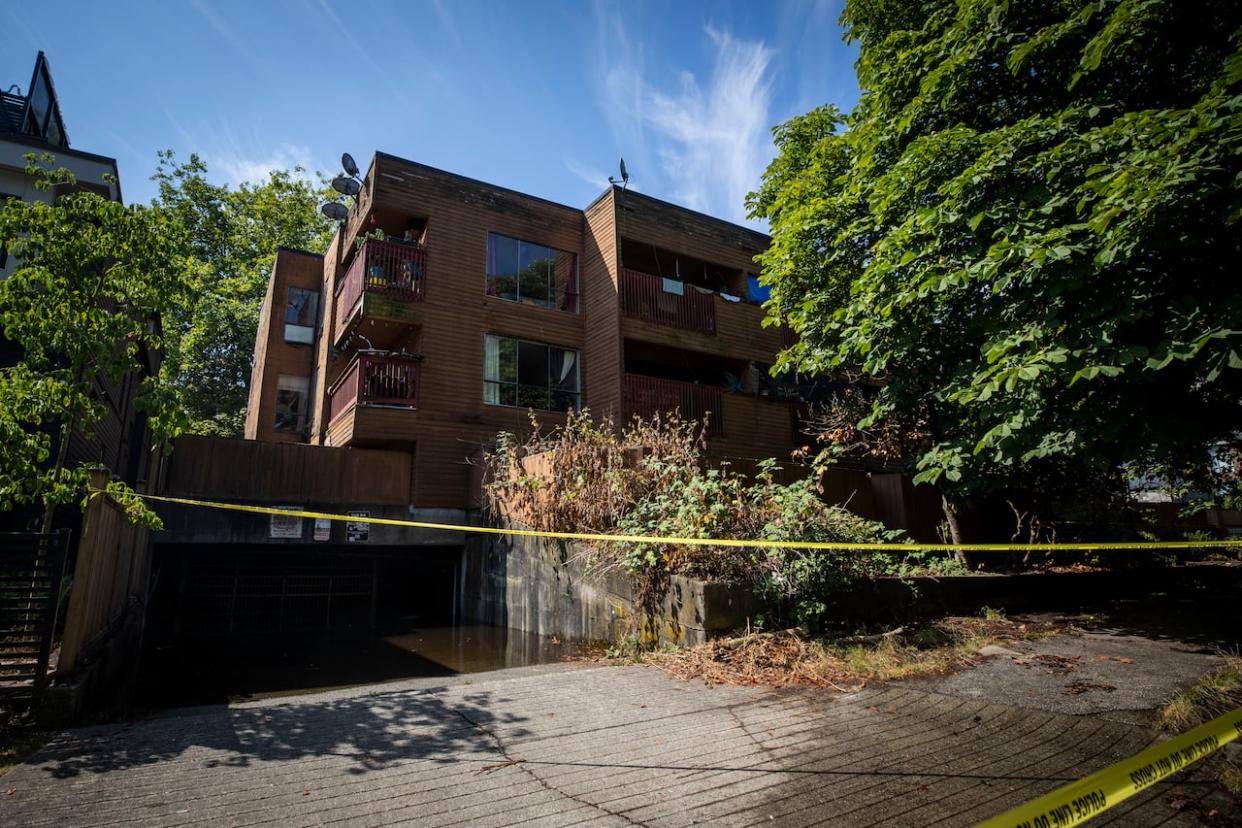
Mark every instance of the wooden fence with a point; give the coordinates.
(108, 596)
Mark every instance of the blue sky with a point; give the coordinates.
(541, 97)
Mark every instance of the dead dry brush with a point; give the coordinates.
(652, 479)
(584, 476)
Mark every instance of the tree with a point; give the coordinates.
(233, 234)
(1025, 237)
(92, 281)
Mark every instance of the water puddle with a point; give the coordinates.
(266, 667)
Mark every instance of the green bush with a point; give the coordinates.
(595, 485)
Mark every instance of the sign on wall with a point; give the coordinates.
(323, 529)
(286, 526)
(358, 531)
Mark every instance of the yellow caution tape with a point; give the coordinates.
(1079, 801)
(726, 542)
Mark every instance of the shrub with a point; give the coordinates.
(653, 479)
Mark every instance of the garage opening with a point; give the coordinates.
(232, 623)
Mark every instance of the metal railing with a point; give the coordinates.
(648, 396)
(376, 379)
(394, 269)
(643, 297)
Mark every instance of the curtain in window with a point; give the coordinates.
(491, 369)
(563, 366)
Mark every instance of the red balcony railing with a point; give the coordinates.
(391, 268)
(648, 396)
(376, 379)
(643, 296)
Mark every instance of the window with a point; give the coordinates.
(291, 403)
(529, 374)
(532, 274)
(300, 315)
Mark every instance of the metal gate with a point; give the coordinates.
(245, 594)
(31, 568)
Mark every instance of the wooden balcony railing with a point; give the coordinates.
(376, 379)
(643, 297)
(648, 396)
(392, 268)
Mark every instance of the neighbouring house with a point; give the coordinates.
(33, 123)
(446, 309)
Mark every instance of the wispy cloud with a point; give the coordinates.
(240, 170)
(590, 175)
(710, 135)
(220, 25)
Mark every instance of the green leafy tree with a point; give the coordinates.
(233, 234)
(92, 280)
(1025, 237)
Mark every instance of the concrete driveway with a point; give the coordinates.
(623, 746)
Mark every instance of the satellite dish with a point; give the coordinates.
(335, 210)
(347, 163)
(345, 185)
(625, 176)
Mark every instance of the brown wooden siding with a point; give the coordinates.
(453, 216)
(602, 359)
(275, 355)
(452, 421)
(258, 470)
(739, 333)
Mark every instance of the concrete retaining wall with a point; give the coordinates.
(544, 587)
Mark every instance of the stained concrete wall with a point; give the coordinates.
(546, 587)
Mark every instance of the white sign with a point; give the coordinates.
(323, 529)
(358, 531)
(286, 526)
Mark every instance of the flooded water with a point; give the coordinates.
(264, 667)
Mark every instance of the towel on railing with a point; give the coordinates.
(674, 286)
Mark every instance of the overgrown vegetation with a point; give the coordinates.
(846, 661)
(1024, 241)
(82, 308)
(1214, 695)
(652, 478)
(233, 234)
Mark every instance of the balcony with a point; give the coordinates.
(376, 380)
(648, 396)
(643, 296)
(382, 279)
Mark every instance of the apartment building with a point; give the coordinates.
(31, 122)
(446, 309)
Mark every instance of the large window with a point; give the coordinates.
(292, 397)
(300, 315)
(532, 274)
(529, 374)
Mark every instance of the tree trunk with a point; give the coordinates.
(62, 452)
(955, 530)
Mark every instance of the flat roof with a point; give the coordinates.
(765, 238)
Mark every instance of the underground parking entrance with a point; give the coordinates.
(231, 623)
